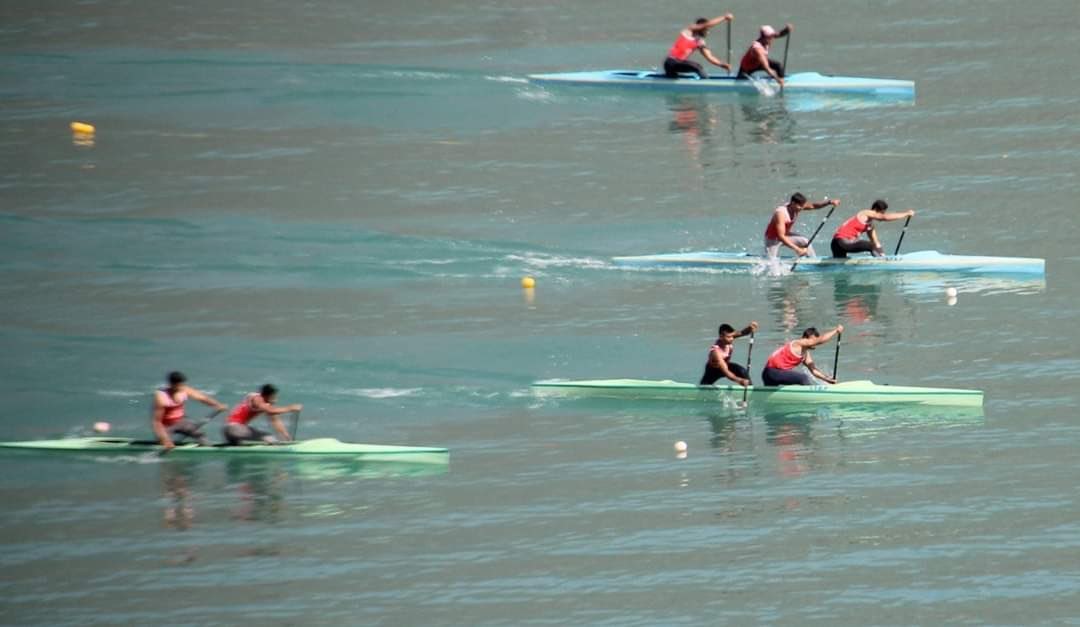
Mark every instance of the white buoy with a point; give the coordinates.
(680, 447)
(950, 292)
(101, 427)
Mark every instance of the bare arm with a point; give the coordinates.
(716, 362)
(750, 328)
(781, 234)
(705, 52)
(890, 217)
(697, 28)
(205, 399)
(817, 373)
(279, 427)
(763, 62)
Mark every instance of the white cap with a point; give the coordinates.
(768, 31)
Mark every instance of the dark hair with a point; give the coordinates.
(879, 205)
(726, 328)
(798, 198)
(700, 20)
(176, 377)
(810, 332)
(267, 391)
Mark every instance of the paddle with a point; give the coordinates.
(836, 357)
(729, 47)
(295, 425)
(749, 352)
(787, 43)
(901, 240)
(816, 231)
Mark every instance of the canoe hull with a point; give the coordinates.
(329, 448)
(857, 392)
(802, 82)
(920, 261)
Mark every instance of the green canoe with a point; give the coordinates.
(862, 392)
(318, 447)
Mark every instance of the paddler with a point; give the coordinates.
(167, 418)
(690, 39)
(238, 430)
(757, 58)
(719, 364)
(779, 232)
(847, 238)
(782, 368)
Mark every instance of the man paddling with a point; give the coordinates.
(757, 58)
(782, 368)
(237, 429)
(690, 39)
(167, 418)
(779, 232)
(847, 238)
(719, 363)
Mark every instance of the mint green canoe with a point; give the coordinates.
(862, 392)
(307, 449)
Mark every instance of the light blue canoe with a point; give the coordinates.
(799, 83)
(848, 392)
(922, 261)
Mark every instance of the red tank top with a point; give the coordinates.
(244, 412)
(685, 45)
(725, 351)
(750, 62)
(784, 358)
(770, 231)
(852, 228)
(174, 407)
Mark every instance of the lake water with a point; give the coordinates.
(342, 198)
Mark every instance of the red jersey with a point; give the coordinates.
(174, 407)
(244, 412)
(785, 217)
(750, 62)
(784, 358)
(685, 45)
(852, 228)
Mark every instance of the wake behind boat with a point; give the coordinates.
(924, 261)
(861, 392)
(798, 83)
(318, 447)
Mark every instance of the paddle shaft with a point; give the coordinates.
(295, 425)
(901, 240)
(749, 352)
(816, 231)
(787, 44)
(729, 46)
(836, 357)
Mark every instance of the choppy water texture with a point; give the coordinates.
(342, 198)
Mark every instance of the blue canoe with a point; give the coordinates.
(922, 261)
(799, 83)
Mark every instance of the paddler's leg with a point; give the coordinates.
(841, 247)
(797, 376)
(237, 433)
(739, 370)
(674, 67)
(777, 67)
(187, 429)
(803, 241)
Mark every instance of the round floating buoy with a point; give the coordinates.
(680, 447)
(101, 427)
(528, 282)
(82, 127)
(950, 292)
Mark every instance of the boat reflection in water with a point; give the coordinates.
(801, 440)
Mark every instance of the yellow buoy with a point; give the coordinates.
(528, 282)
(82, 127)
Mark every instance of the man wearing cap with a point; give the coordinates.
(757, 58)
(690, 39)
